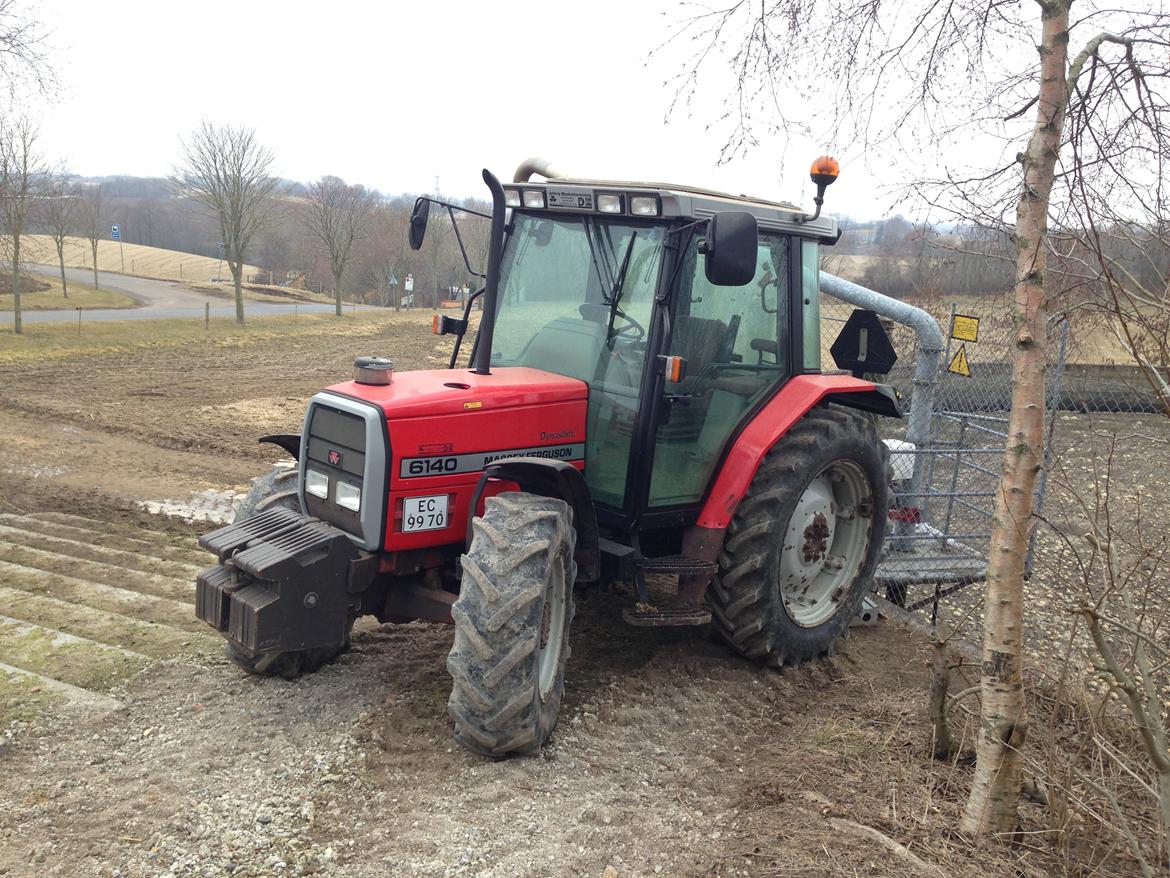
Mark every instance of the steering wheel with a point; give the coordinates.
(631, 331)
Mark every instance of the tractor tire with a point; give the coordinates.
(512, 622)
(800, 552)
(279, 489)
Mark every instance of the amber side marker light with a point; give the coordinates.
(675, 368)
(823, 173)
(435, 321)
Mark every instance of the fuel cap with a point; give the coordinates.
(373, 370)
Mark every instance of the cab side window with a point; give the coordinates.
(735, 342)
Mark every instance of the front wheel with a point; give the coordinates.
(800, 551)
(512, 622)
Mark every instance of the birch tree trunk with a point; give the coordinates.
(994, 798)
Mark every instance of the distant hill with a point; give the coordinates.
(139, 260)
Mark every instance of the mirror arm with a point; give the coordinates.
(450, 206)
(462, 249)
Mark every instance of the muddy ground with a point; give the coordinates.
(132, 748)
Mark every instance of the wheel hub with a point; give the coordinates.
(825, 543)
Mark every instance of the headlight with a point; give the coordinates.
(348, 496)
(316, 483)
(533, 198)
(607, 203)
(644, 205)
(511, 197)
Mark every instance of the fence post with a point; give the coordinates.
(926, 372)
(207, 315)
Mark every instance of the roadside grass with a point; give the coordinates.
(121, 336)
(80, 296)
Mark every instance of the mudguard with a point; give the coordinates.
(552, 478)
(290, 442)
(774, 420)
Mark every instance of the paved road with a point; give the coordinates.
(157, 300)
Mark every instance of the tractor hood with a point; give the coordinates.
(439, 392)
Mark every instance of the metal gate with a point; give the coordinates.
(946, 455)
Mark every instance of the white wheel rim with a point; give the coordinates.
(552, 629)
(825, 543)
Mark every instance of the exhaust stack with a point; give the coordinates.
(535, 165)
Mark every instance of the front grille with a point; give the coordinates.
(345, 440)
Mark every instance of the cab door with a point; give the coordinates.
(737, 345)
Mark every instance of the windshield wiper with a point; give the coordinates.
(615, 292)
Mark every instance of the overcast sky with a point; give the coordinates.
(393, 95)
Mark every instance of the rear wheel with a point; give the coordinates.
(800, 552)
(278, 489)
(512, 622)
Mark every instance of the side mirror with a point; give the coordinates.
(730, 248)
(418, 221)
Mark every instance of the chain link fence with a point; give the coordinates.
(940, 531)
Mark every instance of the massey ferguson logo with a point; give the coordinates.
(334, 457)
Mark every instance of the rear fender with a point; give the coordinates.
(551, 478)
(774, 420)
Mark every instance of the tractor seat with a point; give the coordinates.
(566, 347)
(698, 340)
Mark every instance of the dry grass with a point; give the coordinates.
(80, 296)
(140, 260)
(182, 334)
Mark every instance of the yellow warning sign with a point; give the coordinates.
(965, 328)
(959, 364)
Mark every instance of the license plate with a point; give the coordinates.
(424, 513)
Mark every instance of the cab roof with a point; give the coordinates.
(682, 202)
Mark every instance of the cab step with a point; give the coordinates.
(648, 616)
(674, 564)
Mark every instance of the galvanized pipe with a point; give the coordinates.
(926, 367)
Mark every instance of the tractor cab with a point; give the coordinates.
(681, 309)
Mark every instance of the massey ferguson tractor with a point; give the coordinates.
(644, 397)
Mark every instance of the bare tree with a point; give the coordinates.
(21, 170)
(90, 208)
(59, 213)
(338, 215)
(385, 251)
(227, 171)
(920, 80)
(24, 53)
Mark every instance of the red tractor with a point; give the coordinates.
(644, 396)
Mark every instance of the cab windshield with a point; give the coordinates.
(573, 291)
(576, 295)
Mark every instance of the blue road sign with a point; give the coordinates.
(393, 280)
(115, 232)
